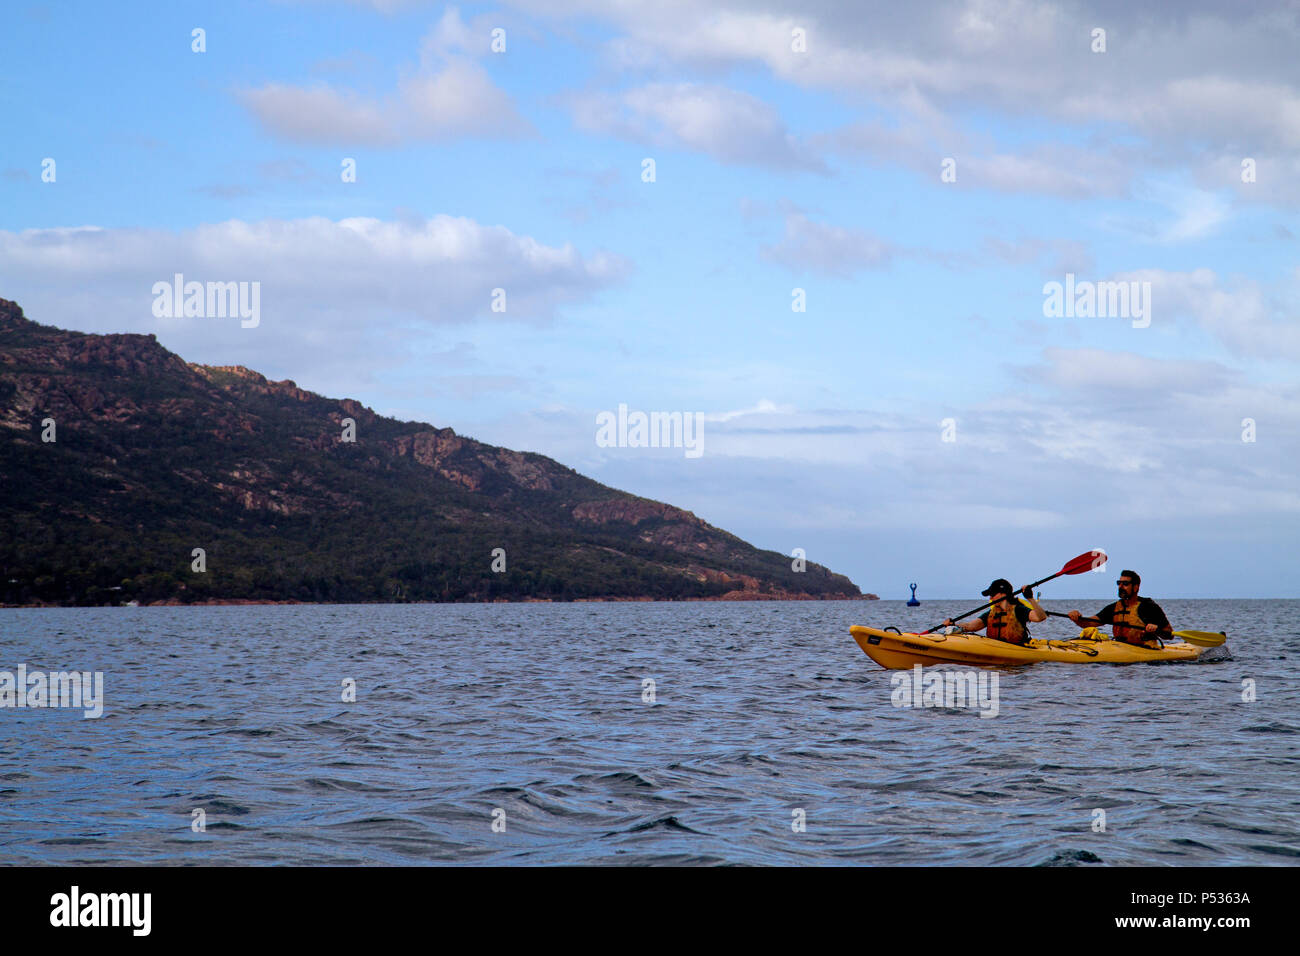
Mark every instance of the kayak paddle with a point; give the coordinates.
(1202, 638)
(1199, 638)
(1084, 562)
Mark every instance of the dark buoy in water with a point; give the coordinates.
(913, 602)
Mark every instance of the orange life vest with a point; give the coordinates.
(1127, 626)
(1005, 626)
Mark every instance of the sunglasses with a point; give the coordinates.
(1123, 582)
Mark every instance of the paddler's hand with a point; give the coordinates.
(947, 623)
(1074, 616)
(1151, 628)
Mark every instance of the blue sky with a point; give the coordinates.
(775, 169)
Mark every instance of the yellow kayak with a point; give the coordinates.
(902, 651)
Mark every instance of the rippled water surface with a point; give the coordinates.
(761, 709)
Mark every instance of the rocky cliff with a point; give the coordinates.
(120, 459)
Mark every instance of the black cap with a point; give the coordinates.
(999, 586)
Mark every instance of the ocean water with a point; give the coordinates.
(538, 718)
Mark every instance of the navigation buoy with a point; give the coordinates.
(913, 602)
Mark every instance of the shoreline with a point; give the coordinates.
(731, 596)
(742, 597)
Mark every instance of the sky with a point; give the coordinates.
(828, 229)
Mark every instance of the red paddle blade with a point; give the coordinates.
(1088, 561)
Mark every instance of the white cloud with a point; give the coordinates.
(1063, 255)
(382, 6)
(460, 100)
(450, 95)
(1107, 371)
(1199, 215)
(1247, 317)
(345, 295)
(320, 114)
(1195, 213)
(1276, 175)
(1051, 169)
(1215, 108)
(1048, 168)
(833, 250)
(1184, 85)
(763, 407)
(1084, 440)
(326, 261)
(451, 35)
(733, 127)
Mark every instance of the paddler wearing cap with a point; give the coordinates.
(1006, 620)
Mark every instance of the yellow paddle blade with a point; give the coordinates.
(1202, 638)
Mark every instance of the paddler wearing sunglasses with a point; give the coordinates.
(1133, 619)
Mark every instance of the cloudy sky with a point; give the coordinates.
(920, 171)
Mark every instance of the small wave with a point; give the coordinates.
(620, 777)
(1195, 844)
(667, 822)
(1273, 728)
(1276, 850)
(1072, 858)
(323, 784)
(217, 805)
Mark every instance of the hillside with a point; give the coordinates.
(154, 457)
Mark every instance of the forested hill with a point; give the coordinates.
(154, 457)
